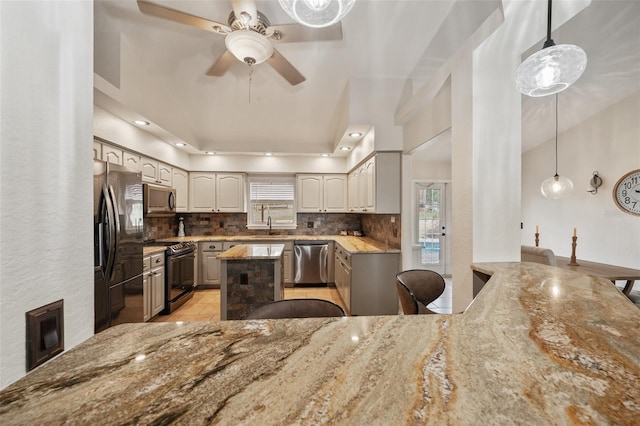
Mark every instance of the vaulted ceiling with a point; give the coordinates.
(155, 69)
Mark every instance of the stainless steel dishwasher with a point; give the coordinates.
(310, 260)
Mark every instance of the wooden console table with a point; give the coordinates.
(610, 272)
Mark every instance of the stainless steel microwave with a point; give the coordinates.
(158, 201)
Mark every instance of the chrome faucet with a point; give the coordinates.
(269, 224)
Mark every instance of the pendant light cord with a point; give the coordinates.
(556, 131)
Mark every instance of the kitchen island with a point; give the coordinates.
(539, 345)
(251, 276)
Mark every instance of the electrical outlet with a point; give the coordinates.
(221, 224)
(244, 278)
(310, 224)
(393, 219)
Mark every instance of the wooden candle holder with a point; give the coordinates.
(572, 261)
(537, 239)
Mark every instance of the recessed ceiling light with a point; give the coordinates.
(325, 155)
(141, 122)
(355, 134)
(181, 144)
(210, 153)
(268, 154)
(345, 148)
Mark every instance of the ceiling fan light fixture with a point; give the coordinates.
(317, 13)
(249, 46)
(552, 69)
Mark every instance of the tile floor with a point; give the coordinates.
(205, 304)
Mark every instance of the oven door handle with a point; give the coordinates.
(183, 255)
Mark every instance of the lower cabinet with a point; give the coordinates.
(366, 281)
(153, 285)
(209, 265)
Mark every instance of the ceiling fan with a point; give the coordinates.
(249, 36)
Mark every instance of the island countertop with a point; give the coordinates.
(253, 251)
(539, 345)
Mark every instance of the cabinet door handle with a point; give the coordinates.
(212, 247)
(157, 260)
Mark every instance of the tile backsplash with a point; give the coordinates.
(377, 226)
(236, 224)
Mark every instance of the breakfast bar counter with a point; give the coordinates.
(539, 345)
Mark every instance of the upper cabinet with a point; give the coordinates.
(180, 182)
(216, 192)
(97, 150)
(112, 155)
(131, 161)
(375, 185)
(322, 193)
(156, 172)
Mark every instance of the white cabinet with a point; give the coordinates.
(157, 284)
(131, 160)
(154, 171)
(375, 185)
(97, 150)
(216, 192)
(180, 182)
(146, 287)
(362, 279)
(230, 192)
(209, 268)
(153, 285)
(322, 193)
(111, 154)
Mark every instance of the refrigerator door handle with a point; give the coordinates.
(116, 217)
(324, 270)
(110, 233)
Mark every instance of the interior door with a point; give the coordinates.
(430, 229)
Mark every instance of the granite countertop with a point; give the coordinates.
(253, 251)
(539, 345)
(353, 245)
(149, 250)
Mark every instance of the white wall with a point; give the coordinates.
(118, 131)
(46, 172)
(609, 143)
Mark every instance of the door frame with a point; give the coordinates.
(444, 268)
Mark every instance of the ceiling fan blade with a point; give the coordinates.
(285, 69)
(153, 9)
(294, 33)
(223, 63)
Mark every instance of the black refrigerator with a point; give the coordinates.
(118, 235)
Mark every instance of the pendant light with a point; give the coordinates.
(552, 69)
(556, 187)
(317, 13)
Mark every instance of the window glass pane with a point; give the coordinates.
(429, 224)
(271, 196)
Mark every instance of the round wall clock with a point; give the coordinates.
(626, 192)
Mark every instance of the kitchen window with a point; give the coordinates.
(271, 197)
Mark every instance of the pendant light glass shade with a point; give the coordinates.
(556, 187)
(552, 69)
(317, 13)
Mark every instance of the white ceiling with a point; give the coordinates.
(157, 70)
